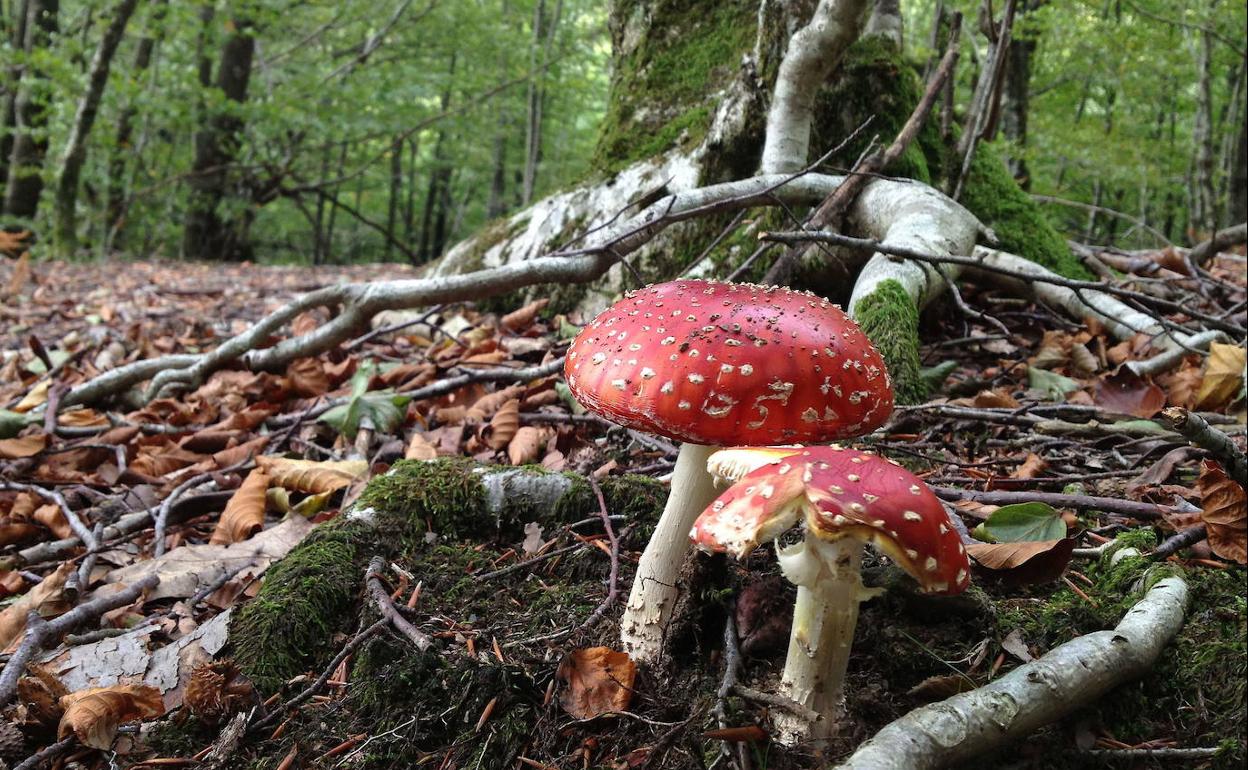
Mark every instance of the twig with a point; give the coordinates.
(1148, 511)
(48, 753)
(987, 91)
(372, 579)
(312, 689)
(779, 701)
(1206, 250)
(1166, 753)
(1176, 543)
(84, 534)
(166, 505)
(529, 562)
(39, 633)
(1200, 433)
(212, 587)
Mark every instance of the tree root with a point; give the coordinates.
(970, 724)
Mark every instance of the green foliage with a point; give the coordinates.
(382, 408)
(1022, 522)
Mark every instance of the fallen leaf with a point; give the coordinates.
(941, 686)
(41, 692)
(1035, 561)
(1224, 377)
(503, 425)
(26, 446)
(597, 681)
(1032, 467)
(1127, 393)
(527, 445)
(244, 513)
(1224, 509)
(532, 538)
(307, 377)
(95, 714)
(217, 689)
(1013, 644)
(312, 476)
(45, 598)
(419, 448)
(52, 517)
(1024, 522)
(1053, 385)
(519, 319)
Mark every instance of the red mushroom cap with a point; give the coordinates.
(724, 363)
(842, 493)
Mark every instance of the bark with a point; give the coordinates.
(1204, 196)
(1237, 179)
(543, 40)
(396, 190)
(433, 219)
(1016, 98)
(75, 154)
(16, 34)
(30, 141)
(209, 233)
(953, 731)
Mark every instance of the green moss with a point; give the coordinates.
(1021, 227)
(304, 600)
(442, 496)
(891, 321)
(664, 84)
(639, 499)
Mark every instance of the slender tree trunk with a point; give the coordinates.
(30, 141)
(1016, 99)
(207, 234)
(409, 206)
(16, 34)
(433, 218)
(543, 40)
(396, 190)
(1204, 195)
(333, 199)
(116, 206)
(1235, 151)
(75, 155)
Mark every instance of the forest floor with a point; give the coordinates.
(269, 594)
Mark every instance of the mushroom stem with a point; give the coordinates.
(829, 591)
(654, 592)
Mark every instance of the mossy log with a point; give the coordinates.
(419, 513)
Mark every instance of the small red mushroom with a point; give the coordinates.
(714, 364)
(845, 498)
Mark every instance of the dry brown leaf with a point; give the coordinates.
(1031, 467)
(941, 686)
(1224, 376)
(244, 513)
(486, 406)
(517, 320)
(310, 476)
(527, 445)
(17, 532)
(1224, 509)
(95, 714)
(217, 689)
(999, 399)
(52, 517)
(419, 448)
(45, 598)
(1182, 384)
(597, 681)
(307, 377)
(41, 692)
(81, 418)
(25, 446)
(1126, 393)
(14, 242)
(1030, 561)
(503, 425)
(20, 275)
(37, 396)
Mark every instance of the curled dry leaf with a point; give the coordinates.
(95, 714)
(46, 598)
(486, 406)
(41, 692)
(310, 476)
(419, 448)
(244, 513)
(307, 377)
(528, 445)
(520, 319)
(1026, 562)
(1224, 509)
(81, 418)
(26, 446)
(597, 681)
(1127, 393)
(503, 425)
(1032, 467)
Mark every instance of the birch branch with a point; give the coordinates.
(1069, 677)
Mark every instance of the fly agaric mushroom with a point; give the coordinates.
(846, 498)
(714, 364)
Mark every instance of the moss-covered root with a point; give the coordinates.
(313, 593)
(890, 320)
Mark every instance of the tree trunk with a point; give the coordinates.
(539, 59)
(433, 219)
(116, 207)
(30, 141)
(75, 155)
(209, 233)
(1204, 196)
(396, 190)
(16, 34)
(1016, 99)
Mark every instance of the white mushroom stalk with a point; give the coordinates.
(845, 499)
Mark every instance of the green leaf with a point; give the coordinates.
(382, 407)
(1024, 522)
(934, 376)
(1054, 385)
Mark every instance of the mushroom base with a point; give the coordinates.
(828, 594)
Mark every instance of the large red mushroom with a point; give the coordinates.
(845, 498)
(714, 364)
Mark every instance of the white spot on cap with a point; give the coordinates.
(618, 384)
(912, 554)
(684, 405)
(914, 489)
(667, 340)
(667, 387)
(911, 516)
(696, 379)
(747, 370)
(598, 358)
(930, 565)
(854, 477)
